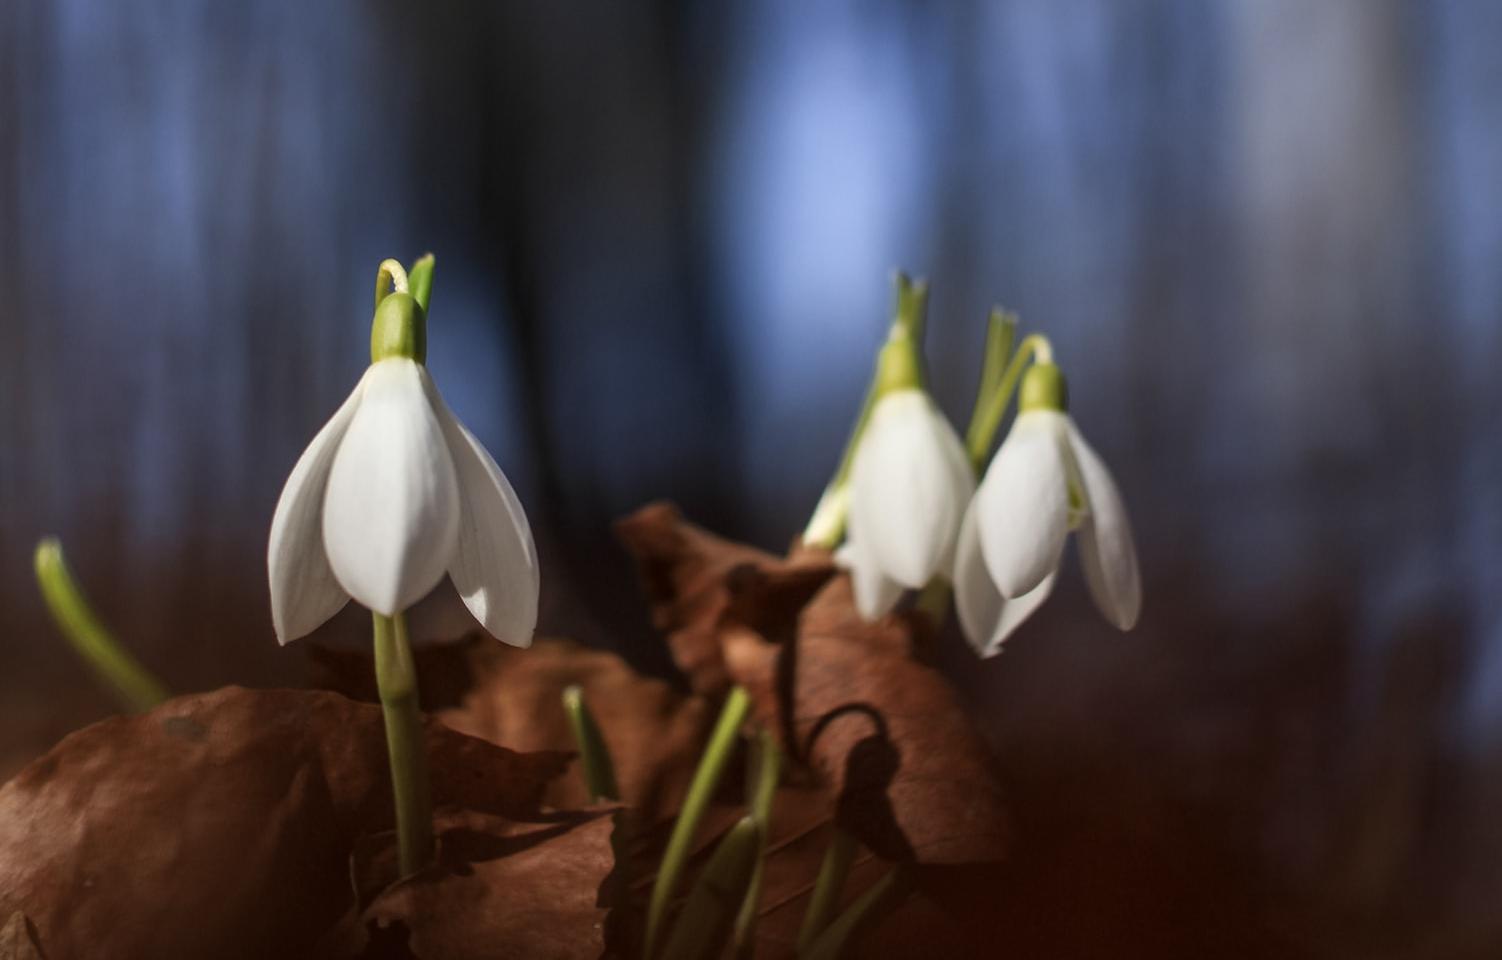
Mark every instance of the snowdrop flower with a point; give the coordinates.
(1044, 481)
(909, 484)
(392, 494)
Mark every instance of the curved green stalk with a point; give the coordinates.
(132, 683)
(396, 680)
(768, 772)
(391, 277)
(827, 887)
(989, 410)
(706, 778)
(594, 755)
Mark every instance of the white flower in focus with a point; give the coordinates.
(1044, 482)
(909, 484)
(391, 494)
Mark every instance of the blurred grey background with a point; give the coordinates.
(1264, 237)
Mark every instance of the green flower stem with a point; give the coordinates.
(1001, 336)
(768, 772)
(701, 930)
(594, 755)
(868, 908)
(826, 528)
(420, 280)
(132, 683)
(722, 742)
(933, 600)
(391, 277)
(396, 680)
(990, 409)
(912, 307)
(827, 887)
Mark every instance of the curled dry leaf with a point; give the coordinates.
(915, 780)
(695, 581)
(513, 697)
(221, 824)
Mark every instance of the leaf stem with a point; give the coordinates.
(396, 680)
(991, 408)
(701, 930)
(827, 887)
(1001, 336)
(768, 772)
(420, 279)
(869, 907)
(132, 683)
(722, 742)
(594, 755)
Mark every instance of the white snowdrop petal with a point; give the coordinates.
(875, 593)
(1015, 612)
(304, 591)
(976, 598)
(962, 490)
(986, 617)
(1107, 552)
(494, 566)
(1023, 503)
(908, 488)
(391, 512)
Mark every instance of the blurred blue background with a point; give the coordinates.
(1263, 235)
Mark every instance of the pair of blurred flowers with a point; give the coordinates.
(916, 513)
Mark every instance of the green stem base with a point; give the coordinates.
(396, 679)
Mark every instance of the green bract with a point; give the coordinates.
(1043, 388)
(399, 329)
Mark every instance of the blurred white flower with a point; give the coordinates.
(909, 484)
(1044, 482)
(392, 493)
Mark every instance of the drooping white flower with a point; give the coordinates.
(1044, 481)
(909, 484)
(391, 494)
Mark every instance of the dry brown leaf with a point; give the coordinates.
(17, 941)
(221, 824)
(513, 697)
(654, 733)
(695, 580)
(916, 782)
(500, 889)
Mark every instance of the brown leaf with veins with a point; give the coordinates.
(221, 824)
